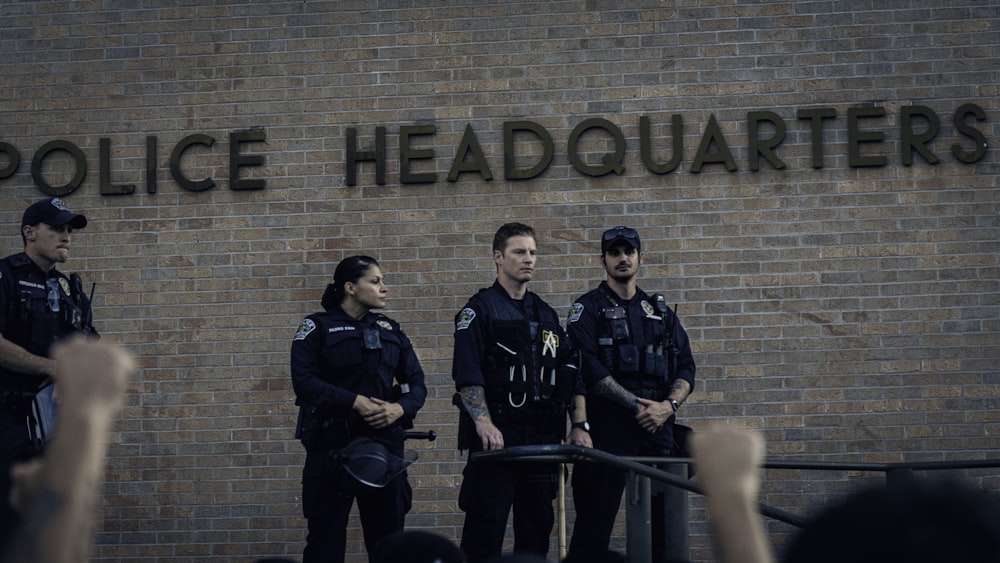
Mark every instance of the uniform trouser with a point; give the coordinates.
(489, 492)
(327, 510)
(597, 495)
(597, 487)
(15, 446)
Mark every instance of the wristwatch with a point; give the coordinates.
(585, 426)
(675, 404)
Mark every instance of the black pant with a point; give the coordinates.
(327, 509)
(490, 490)
(15, 446)
(597, 488)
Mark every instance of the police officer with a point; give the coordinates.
(638, 370)
(516, 376)
(357, 381)
(39, 305)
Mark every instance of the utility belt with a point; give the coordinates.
(16, 402)
(547, 417)
(318, 429)
(540, 413)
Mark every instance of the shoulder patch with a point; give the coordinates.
(575, 312)
(646, 308)
(465, 318)
(305, 327)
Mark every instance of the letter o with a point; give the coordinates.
(78, 158)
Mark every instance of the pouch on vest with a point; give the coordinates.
(627, 358)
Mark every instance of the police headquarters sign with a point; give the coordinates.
(237, 160)
(917, 127)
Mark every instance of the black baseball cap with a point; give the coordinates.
(626, 234)
(52, 212)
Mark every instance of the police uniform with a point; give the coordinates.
(642, 344)
(335, 358)
(517, 351)
(37, 309)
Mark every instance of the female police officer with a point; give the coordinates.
(356, 378)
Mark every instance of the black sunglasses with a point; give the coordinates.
(626, 233)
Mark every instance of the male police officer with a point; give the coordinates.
(638, 369)
(515, 375)
(39, 306)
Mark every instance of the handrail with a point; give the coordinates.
(567, 453)
(641, 470)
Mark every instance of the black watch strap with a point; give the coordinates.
(585, 426)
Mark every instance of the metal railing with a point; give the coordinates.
(670, 477)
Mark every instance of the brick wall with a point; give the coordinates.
(850, 312)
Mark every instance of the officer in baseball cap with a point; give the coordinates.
(39, 306)
(52, 212)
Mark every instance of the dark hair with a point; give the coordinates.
(511, 230)
(349, 270)
(920, 520)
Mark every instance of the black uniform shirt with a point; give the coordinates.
(19, 275)
(330, 366)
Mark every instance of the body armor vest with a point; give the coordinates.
(638, 361)
(41, 310)
(527, 359)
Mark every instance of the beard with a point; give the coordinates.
(621, 277)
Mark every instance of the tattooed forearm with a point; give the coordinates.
(680, 390)
(474, 401)
(611, 390)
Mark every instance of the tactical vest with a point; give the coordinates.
(368, 363)
(40, 313)
(651, 365)
(528, 368)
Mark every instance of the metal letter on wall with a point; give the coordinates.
(610, 163)
(713, 134)
(816, 116)
(975, 134)
(150, 164)
(236, 160)
(509, 129)
(765, 147)
(13, 160)
(104, 172)
(469, 144)
(78, 159)
(175, 163)
(407, 154)
(855, 137)
(645, 145)
(354, 156)
(911, 141)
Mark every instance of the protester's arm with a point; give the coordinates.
(728, 464)
(57, 495)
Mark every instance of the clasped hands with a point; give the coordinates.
(652, 415)
(377, 413)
